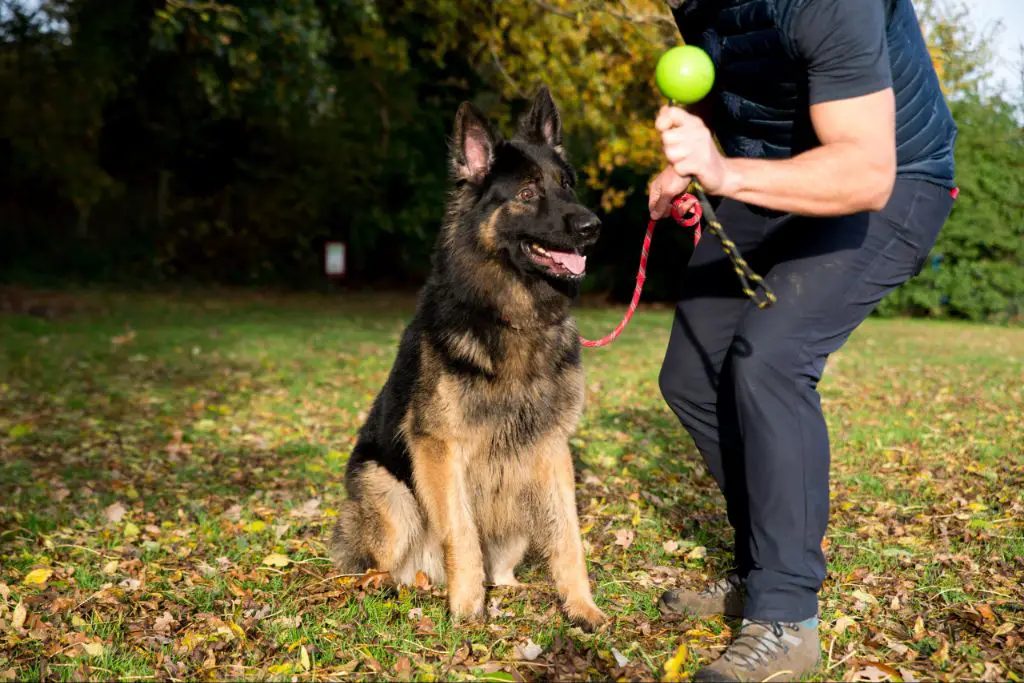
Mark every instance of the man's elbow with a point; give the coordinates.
(878, 185)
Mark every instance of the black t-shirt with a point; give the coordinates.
(844, 46)
(774, 59)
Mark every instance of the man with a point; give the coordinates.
(837, 176)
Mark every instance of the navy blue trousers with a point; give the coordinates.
(743, 381)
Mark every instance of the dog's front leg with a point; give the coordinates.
(563, 544)
(440, 478)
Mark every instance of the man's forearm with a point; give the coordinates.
(833, 180)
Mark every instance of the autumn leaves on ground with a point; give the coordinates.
(170, 468)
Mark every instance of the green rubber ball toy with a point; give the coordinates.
(685, 74)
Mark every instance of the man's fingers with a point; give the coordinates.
(655, 195)
(670, 117)
(674, 136)
(659, 200)
(660, 208)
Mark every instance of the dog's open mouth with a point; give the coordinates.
(569, 264)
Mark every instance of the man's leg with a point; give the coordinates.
(702, 332)
(829, 274)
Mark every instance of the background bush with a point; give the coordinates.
(218, 142)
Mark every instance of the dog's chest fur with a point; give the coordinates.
(503, 392)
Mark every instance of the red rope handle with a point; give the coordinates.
(686, 220)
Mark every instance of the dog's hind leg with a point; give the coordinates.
(502, 557)
(381, 526)
(560, 536)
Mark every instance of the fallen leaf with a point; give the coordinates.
(1005, 628)
(163, 624)
(403, 668)
(698, 553)
(674, 666)
(114, 512)
(304, 658)
(122, 339)
(941, 656)
(8, 675)
(256, 526)
(422, 581)
(110, 567)
(18, 618)
(875, 673)
(426, 627)
(918, 628)
(986, 612)
(670, 546)
(864, 597)
(842, 624)
(373, 580)
(993, 672)
(624, 537)
(528, 650)
(416, 614)
(907, 675)
(620, 659)
(131, 530)
(289, 622)
(93, 648)
(37, 577)
(307, 510)
(276, 560)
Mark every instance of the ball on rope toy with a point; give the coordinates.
(685, 74)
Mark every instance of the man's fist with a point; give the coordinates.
(691, 150)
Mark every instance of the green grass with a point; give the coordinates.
(215, 420)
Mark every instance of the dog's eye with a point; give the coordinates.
(526, 194)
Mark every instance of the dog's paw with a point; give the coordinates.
(467, 605)
(586, 615)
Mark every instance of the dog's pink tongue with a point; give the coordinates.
(570, 260)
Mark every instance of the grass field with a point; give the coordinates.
(170, 469)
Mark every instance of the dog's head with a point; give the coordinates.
(518, 201)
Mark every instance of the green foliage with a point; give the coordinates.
(976, 270)
(220, 141)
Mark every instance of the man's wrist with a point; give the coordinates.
(732, 179)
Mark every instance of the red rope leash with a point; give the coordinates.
(688, 220)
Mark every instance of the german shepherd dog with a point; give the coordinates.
(463, 463)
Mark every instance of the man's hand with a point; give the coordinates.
(691, 150)
(666, 187)
(852, 170)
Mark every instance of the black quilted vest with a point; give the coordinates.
(760, 105)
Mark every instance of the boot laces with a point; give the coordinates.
(758, 643)
(722, 586)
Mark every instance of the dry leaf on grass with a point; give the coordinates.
(874, 673)
(624, 537)
(114, 512)
(528, 650)
(37, 577)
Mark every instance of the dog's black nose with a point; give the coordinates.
(585, 226)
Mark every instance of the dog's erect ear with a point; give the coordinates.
(543, 125)
(473, 144)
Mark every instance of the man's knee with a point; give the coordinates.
(777, 364)
(684, 385)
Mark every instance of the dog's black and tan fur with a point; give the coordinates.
(463, 463)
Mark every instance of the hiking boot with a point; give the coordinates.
(724, 596)
(766, 650)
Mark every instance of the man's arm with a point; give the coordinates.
(853, 170)
(852, 111)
